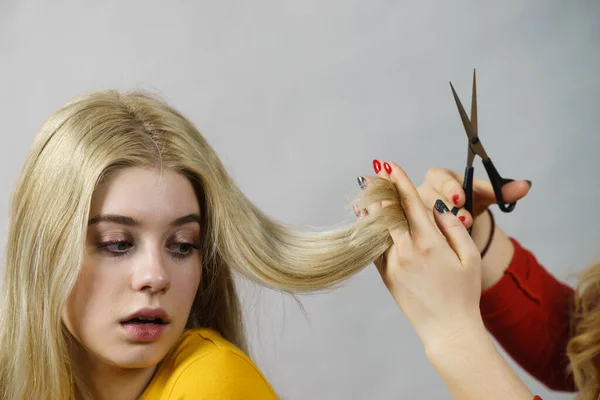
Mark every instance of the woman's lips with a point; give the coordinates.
(144, 332)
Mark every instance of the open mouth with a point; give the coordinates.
(146, 324)
(144, 330)
(145, 321)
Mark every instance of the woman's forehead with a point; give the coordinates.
(142, 193)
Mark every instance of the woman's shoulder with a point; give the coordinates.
(203, 364)
(194, 344)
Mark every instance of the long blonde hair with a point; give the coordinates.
(80, 146)
(583, 349)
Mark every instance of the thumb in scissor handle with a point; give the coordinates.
(497, 183)
(506, 207)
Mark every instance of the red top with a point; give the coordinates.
(528, 312)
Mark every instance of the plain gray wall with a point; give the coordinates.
(299, 96)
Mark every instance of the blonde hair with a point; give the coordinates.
(583, 348)
(81, 145)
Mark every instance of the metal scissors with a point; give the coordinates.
(476, 148)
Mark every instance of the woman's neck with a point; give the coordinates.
(117, 384)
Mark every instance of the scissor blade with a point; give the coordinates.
(470, 156)
(473, 139)
(463, 115)
(474, 106)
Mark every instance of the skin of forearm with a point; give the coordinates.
(499, 255)
(471, 367)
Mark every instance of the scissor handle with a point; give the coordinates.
(497, 183)
(468, 188)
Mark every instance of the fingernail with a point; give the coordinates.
(529, 183)
(462, 218)
(376, 166)
(356, 210)
(441, 207)
(454, 210)
(387, 167)
(455, 199)
(362, 182)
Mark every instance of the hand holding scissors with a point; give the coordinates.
(475, 147)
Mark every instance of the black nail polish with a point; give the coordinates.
(362, 182)
(529, 183)
(441, 207)
(455, 210)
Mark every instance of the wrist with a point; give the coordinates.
(472, 368)
(498, 259)
(482, 230)
(496, 249)
(458, 331)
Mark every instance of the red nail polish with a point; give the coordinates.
(387, 167)
(455, 199)
(376, 166)
(462, 218)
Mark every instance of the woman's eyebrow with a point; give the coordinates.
(128, 221)
(115, 219)
(187, 219)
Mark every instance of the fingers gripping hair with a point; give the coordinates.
(295, 260)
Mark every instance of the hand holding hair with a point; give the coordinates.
(433, 267)
(433, 271)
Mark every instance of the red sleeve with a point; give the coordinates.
(528, 312)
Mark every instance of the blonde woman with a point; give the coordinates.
(125, 232)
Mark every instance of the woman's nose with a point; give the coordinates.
(150, 273)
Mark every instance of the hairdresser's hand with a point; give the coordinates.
(432, 269)
(446, 185)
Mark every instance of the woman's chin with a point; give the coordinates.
(135, 360)
(130, 355)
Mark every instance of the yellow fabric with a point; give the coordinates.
(203, 365)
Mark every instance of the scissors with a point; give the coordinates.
(476, 148)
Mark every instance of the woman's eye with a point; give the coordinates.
(115, 248)
(183, 248)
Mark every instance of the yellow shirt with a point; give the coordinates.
(203, 365)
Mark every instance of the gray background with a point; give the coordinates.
(299, 96)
